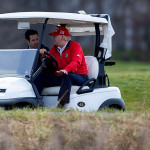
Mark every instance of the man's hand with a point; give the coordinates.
(62, 71)
(42, 52)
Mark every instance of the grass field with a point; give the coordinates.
(133, 79)
(53, 129)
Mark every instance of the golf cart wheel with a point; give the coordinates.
(113, 103)
(20, 106)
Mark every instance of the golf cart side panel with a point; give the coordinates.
(15, 88)
(93, 100)
(23, 101)
(50, 101)
(86, 102)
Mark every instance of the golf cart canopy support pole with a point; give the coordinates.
(97, 44)
(101, 79)
(33, 76)
(39, 46)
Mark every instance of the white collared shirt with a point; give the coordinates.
(60, 50)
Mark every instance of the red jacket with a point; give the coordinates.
(72, 58)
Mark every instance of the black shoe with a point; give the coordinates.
(59, 106)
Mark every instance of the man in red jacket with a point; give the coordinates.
(72, 69)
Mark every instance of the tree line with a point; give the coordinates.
(130, 19)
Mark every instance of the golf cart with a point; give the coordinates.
(17, 74)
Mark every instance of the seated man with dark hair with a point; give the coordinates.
(32, 39)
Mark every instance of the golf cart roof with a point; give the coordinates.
(79, 24)
(71, 19)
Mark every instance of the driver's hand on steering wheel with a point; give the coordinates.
(42, 52)
(63, 71)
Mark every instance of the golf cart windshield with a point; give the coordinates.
(16, 62)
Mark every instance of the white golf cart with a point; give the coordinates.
(17, 74)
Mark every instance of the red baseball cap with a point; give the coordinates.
(60, 30)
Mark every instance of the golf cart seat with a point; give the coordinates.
(92, 67)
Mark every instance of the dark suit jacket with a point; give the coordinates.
(40, 57)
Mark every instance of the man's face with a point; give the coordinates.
(34, 41)
(57, 40)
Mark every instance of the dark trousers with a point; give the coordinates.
(65, 82)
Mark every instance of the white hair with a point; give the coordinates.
(67, 38)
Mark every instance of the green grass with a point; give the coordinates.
(133, 79)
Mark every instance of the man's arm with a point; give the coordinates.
(76, 58)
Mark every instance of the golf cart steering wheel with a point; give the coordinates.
(51, 63)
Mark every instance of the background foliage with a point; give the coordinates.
(130, 19)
